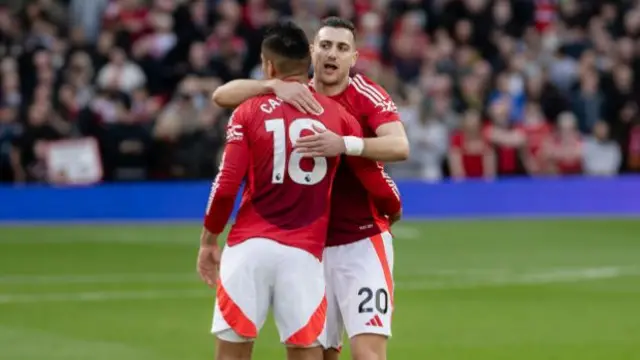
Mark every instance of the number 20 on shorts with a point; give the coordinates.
(297, 175)
(381, 300)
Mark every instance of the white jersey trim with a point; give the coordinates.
(389, 180)
(215, 185)
(361, 84)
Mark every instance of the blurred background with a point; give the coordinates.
(485, 88)
(536, 259)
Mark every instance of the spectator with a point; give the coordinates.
(183, 120)
(160, 40)
(634, 149)
(471, 94)
(197, 65)
(120, 73)
(563, 70)
(113, 69)
(127, 145)
(588, 101)
(78, 78)
(509, 89)
(563, 150)
(429, 139)
(470, 155)
(10, 131)
(196, 153)
(144, 107)
(506, 139)
(11, 89)
(86, 16)
(601, 154)
(181, 114)
(536, 130)
(30, 148)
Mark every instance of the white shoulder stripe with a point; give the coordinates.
(364, 92)
(358, 82)
(372, 89)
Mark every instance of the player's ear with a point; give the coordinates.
(355, 58)
(271, 70)
(263, 65)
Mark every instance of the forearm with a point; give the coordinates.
(208, 238)
(387, 148)
(236, 92)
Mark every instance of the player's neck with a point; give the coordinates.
(331, 90)
(301, 78)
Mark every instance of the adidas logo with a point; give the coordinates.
(375, 321)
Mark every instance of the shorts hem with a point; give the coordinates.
(337, 348)
(386, 334)
(299, 346)
(229, 335)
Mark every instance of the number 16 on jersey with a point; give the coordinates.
(297, 175)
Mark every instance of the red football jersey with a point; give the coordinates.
(353, 214)
(286, 197)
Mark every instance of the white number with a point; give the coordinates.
(299, 176)
(279, 148)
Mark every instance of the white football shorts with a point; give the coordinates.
(359, 279)
(260, 273)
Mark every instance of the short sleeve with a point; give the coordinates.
(377, 104)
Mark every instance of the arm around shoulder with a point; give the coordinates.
(236, 92)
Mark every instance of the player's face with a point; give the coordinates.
(333, 54)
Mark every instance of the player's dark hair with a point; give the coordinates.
(287, 47)
(339, 23)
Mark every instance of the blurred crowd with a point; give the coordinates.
(485, 88)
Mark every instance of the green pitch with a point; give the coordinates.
(494, 290)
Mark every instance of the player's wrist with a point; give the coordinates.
(208, 239)
(353, 145)
(209, 245)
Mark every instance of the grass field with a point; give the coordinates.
(489, 290)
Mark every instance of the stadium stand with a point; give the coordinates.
(485, 87)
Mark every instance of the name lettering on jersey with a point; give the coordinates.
(271, 105)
